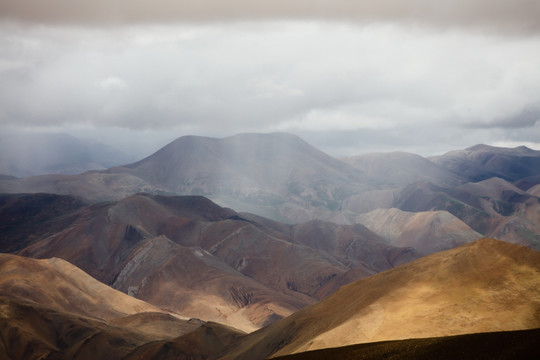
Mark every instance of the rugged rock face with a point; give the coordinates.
(194, 257)
(488, 285)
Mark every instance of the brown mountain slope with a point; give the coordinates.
(207, 341)
(34, 331)
(474, 205)
(66, 288)
(353, 245)
(157, 324)
(426, 231)
(193, 282)
(49, 309)
(194, 257)
(487, 285)
(507, 345)
(22, 214)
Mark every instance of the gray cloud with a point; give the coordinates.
(502, 15)
(528, 117)
(346, 87)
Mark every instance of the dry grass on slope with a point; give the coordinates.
(65, 287)
(484, 286)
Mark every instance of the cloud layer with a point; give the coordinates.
(516, 15)
(418, 75)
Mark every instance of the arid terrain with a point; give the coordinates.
(260, 245)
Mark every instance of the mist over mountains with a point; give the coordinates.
(265, 234)
(279, 176)
(29, 154)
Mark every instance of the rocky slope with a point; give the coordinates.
(488, 285)
(194, 257)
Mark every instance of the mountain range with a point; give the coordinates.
(180, 254)
(279, 176)
(183, 252)
(487, 292)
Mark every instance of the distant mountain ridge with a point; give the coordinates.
(482, 162)
(280, 176)
(266, 172)
(253, 231)
(23, 155)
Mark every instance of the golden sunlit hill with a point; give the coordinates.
(49, 309)
(485, 286)
(62, 286)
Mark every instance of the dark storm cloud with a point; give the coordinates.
(515, 15)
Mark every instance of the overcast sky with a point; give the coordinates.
(348, 76)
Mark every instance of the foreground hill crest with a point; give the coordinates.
(488, 285)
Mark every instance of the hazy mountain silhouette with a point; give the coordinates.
(482, 162)
(282, 177)
(401, 168)
(38, 154)
(277, 175)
